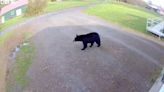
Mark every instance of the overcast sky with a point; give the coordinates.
(158, 2)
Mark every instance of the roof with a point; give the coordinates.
(13, 6)
(155, 7)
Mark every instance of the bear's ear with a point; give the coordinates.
(76, 35)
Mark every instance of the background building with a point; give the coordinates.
(12, 10)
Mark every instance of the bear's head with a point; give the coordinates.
(77, 38)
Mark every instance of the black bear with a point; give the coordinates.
(88, 38)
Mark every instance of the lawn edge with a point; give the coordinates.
(37, 17)
(129, 30)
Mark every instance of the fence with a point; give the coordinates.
(156, 26)
(153, 22)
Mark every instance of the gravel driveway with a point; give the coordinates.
(123, 63)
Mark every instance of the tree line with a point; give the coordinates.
(135, 2)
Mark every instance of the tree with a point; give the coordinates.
(35, 7)
(142, 3)
(136, 2)
(53, 0)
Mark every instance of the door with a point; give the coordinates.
(18, 12)
(3, 19)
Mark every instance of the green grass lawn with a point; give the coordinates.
(62, 5)
(49, 8)
(123, 14)
(3, 37)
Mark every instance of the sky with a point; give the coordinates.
(158, 2)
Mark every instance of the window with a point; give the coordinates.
(12, 12)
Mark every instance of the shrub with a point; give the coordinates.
(35, 7)
(53, 0)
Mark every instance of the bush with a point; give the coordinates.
(35, 7)
(53, 0)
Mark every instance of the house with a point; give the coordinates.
(155, 8)
(12, 10)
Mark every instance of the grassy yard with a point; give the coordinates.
(3, 37)
(49, 8)
(16, 77)
(123, 14)
(8, 42)
(62, 5)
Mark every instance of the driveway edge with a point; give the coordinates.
(158, 84)
(41, 16)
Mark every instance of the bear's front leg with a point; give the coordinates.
(85, 45)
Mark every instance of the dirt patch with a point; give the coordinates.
(17, 67)
(19, 35)
(6, 47)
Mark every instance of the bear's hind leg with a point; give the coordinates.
(91, 44)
